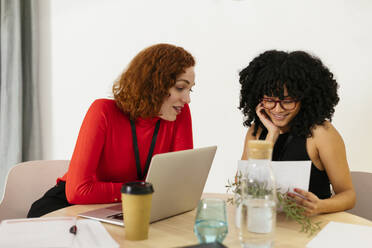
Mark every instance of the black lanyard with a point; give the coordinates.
(141, 176)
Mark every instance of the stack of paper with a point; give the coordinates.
(342, 235)
(54, 232)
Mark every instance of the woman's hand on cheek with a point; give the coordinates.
(308, 200)
(273, 130)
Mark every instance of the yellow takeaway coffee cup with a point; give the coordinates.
(136, 202)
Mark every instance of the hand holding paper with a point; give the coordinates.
(288, 174)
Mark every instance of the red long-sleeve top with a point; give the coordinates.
(104, 158)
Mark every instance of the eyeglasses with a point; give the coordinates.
(287, 104)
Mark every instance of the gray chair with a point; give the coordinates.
(362, 182)
(26, 182)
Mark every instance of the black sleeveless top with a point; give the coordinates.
(293, 148)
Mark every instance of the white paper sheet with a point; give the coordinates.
(37, 232)
(92, 234)
(342, 235)
(288, 174)
(54, 232)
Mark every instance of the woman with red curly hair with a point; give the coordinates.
(149, 115)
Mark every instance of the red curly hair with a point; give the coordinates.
(142, 88)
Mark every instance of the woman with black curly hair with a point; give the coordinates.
(289, 99)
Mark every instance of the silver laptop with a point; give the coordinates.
(178, 179)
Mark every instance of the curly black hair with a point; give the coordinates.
(306, 79)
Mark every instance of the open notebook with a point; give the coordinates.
(178, 179)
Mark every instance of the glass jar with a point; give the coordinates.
(256, 208)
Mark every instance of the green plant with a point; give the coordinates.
(285, 203)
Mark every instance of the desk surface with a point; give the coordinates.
(178, 231)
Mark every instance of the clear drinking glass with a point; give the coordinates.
(211, 221)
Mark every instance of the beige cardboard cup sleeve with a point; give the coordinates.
(136, 202)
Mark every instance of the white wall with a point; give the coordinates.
(87, 43)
